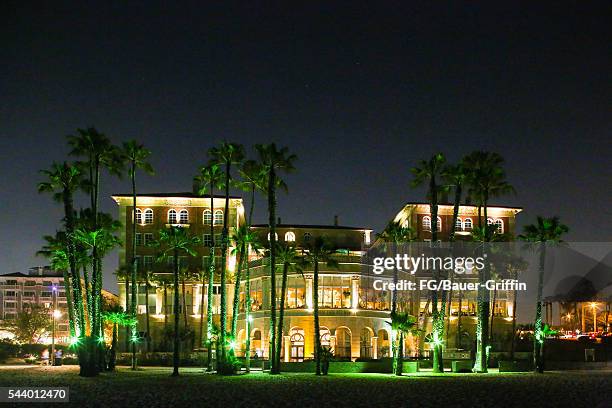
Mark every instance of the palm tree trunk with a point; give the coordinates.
(492, 316)
(247, 314)
(437, 329)
(236, 303)
(272, 228)
(317, 328)
(281, 316)
(148, 339)
(513, 345)
(184, 299)
(482, 327)
(177, 317)
(538, 338)
(211, 278)
(224, 247)
(399, 365)
(134, 266)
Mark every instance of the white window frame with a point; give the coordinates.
(183, 216)
(172, 211)
(207, 217)
(218, 220)
(426, 223)
(148, 216)
(290, 236)
(465, 222)
(138, 216)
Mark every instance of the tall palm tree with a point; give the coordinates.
(317, 252)
(135, 155)
(63, 180)
(395, 234)
(291, 260)
(273, 160)
(225, 155)
(252, 178)
(486, 179)
(544, 231)
(99, 153)
(429, 172)
(401, 324)
(99, 241)
(172, 242)
(209, 179)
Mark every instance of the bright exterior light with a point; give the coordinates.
(593, 305)
(232, 344)
(250, 318)
(100, 340)
(74, 341)
(57, 314)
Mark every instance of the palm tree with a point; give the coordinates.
(273, 160)
(401, 323)
(317, 252)
(395, 234)
(252, 178)
(147, 276)
(544, 231)
(135, 155)
(226, 155)
(429, 172)
(172, 242)
(486, 179)
(99, 153)
(99, 241)
(209, 179)
(63, 180)
(117, 317)
(290, 259)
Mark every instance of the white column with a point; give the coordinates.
(159, 300)
(197, 297)
(309, 294)
(354, 291)
(287, 349)
(375, 347)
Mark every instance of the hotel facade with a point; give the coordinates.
(354, 317)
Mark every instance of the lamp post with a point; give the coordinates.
(56, 315)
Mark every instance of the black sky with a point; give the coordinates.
(359, 91)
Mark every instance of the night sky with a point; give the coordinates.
(359, 91)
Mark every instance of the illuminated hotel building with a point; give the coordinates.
(354, 317)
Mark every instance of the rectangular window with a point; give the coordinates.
(10, 316)
(207, 239)
(61, 294)
(148, 239)
(183, 261)
(148, 262)
(11, 282)
(45, 294)
(30, 283)
(47, 283)
(29, 294)
(62, 327)
(9, 293)
(138, 239)
(10, 305)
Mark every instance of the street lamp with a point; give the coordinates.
(56, 315)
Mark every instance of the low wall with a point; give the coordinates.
(374, 366)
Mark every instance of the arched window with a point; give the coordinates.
(467, 224)
(296, 337)
(426, 223)
(172, 216)
(307, 236)
(459, 225)
(148, 216)
(489, 221)
(183, 217)
(325, 336)
(500, 225)
(439, 226)
(207, 217)
(138, 218)
(289, 237)
(275, 236)
(218, 217)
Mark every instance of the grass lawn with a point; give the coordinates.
(153, 387)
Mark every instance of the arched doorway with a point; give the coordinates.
(240, 343)
(325, 336)
(343, 343)
(256, 344)
(384, 349)
(296, 338)
(365, 343)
